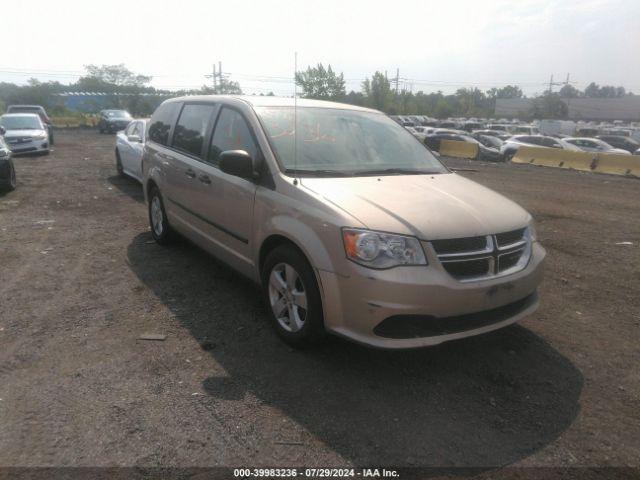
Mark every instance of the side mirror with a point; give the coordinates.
(2, 130)
(238, 163)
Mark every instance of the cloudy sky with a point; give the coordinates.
(437, 45)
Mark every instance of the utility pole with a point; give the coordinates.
(397, 80)
(213, 76)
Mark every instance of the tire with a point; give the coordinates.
(119, 168)
(289, 286)
(508, 156)
(161, 231)
(12, 179)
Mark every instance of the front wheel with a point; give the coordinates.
(162, 232)
(508, 156)
(12, 178)
(292, 296)
(119, 167)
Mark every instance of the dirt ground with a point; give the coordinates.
(81, 280)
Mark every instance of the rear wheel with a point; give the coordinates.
(292, 296)
(160, 228)
(508, 156)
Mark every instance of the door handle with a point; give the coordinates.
(190, 173)
(205, 179)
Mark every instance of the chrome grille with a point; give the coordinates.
(487, 256)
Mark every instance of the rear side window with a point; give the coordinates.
(232, 133)
(162, 121)
(192, 127)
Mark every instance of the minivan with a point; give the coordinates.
(348, 223)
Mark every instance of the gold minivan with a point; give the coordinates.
(349, 223)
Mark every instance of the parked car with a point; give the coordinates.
(129, 146)
(637, 152)
(587, 131)
(7, 169)
(113, 120)
(360, 231)
(617, 141)
(487, 153)
(25, 133)
(594, 145)
(501, 134)
(38, 110)
(524, 129)
(488, 140)
(510, 146)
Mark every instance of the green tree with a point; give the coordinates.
(378, 94)
(320, 83)
(549, 105)
(508, 91)
(569, 91)
(116, 75)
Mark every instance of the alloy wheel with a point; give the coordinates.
(288, 297)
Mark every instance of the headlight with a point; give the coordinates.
(40, 137)
(382, 250)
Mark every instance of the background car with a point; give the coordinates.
(113, 120)
(38, 110)
(25, 133)
(618, 141)
(129, 146)
(511, 145)
(488, 140)
(486, 153)
(594, 145)
(7, 169)
(501, 134)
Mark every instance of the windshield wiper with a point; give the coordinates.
(319, 173)
(397, 171)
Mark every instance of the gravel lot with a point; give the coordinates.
(81, 280)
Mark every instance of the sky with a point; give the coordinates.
(436, 45)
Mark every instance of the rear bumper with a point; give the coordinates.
(421, 306)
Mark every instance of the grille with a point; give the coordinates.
(508, 238)
(457, 245)
(474, 258)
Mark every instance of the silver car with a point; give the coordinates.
(348, 222)
(129, 148)
(589, 144)
(25, 133)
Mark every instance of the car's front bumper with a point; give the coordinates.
(31, 146)
(355, 304)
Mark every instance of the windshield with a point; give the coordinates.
(336, 141)
(118, 114)
(21, 122)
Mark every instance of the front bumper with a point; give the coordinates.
(30, 146)
(355, 304)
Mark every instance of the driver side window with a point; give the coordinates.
(231, 133)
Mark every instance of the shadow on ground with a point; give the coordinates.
(485, 401)
(128, 186)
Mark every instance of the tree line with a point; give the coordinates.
(317, 82)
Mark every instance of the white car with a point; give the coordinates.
(129, 146)
(511, 145)
(25, 133)
(595, 145)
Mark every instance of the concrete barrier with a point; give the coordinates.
(616, 164)
(454, 148)
(610, 163)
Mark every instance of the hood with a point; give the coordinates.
(23, 133)
(429, 207)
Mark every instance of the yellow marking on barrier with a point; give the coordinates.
(454, 148)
